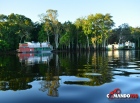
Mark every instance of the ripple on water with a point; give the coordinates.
(132, 63)
(132, 66)
(111, 61)
(72, 78)
(110, 67)
(137, 61)
(93, 74)
(137, 68)
(134, 75)
(129, 70)
(117, 72)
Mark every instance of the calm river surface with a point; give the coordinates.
(69, 77)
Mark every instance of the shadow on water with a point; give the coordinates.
(53, 70)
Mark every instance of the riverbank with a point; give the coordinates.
(8, 52)
(58, 51)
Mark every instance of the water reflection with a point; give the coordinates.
(11, 76)
(53, 70)
(50, 86)
(123, 55)
(34, 58)
(124, 62)
(87, 65)
(49, 77)
(16, 72)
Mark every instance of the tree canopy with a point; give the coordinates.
(90, 32)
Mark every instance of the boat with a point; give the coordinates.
(32, 47)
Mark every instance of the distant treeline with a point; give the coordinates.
(92, 32)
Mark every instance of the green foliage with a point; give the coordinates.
(121, 34)
(52, 25)
(14, 28)
(35, 32)
(65, 39)
(4, 45)
(42, 35)
(96, 28)
(93, 29)
(68, 34)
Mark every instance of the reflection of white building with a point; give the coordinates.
(31, 58)
(121, 54)
(126, 45)
(113, 53)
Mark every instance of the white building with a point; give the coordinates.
(126, 45)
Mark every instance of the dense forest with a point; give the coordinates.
(92, 32)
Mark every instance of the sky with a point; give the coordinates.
(123, 11)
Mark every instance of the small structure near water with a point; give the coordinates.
(31, 47)
(120, 46)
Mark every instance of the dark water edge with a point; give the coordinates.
(69, 77)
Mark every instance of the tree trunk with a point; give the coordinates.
(88, 43)
(69, 46)
(94, 45)
(77, 46)
(107, 42)
(21, 37)
(88, 54)
(104, 44)
(138, 43)
(48, 39)
(56, 41)
(77, 41)
(72, 45)
(48, 36)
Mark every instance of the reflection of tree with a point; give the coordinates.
(50, 83)
(12, 77)
(99, 70)
(52, 91)
(50, 86)
(95, 64)
(14, 80)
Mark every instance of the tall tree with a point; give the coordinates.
(80, 37)
(50, 19)
(68, 34)
(101, 25)
(87, 29)
(48, 27)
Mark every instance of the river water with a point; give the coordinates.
(78, 77)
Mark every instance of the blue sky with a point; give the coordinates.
(123, 11)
